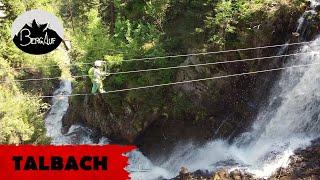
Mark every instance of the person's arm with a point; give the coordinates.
(107, 73)
(103, 73)
(97, 73)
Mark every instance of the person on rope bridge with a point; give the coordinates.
(97, 75)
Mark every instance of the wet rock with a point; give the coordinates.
(95, 113)
(221, 174)
(236, 175)
(184, 174)
(305, 164)
(223, 107)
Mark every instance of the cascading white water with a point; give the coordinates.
(141, 168)
(58, 109)
(77, 134)
(290, 121)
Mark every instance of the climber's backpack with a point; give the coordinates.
(91, 73)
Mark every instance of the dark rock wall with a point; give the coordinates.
(203, 110)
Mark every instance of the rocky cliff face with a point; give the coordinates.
(201, 110)
(95, 112)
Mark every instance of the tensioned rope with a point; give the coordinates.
(187, 81)
(181, 55)
(171, 67)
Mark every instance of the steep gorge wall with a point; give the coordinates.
(201, 110)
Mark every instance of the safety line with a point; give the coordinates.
(187, 81)
(181, 55)
(217, 52)
(213, 63)
(167, 68)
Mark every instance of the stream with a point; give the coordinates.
(290, 121)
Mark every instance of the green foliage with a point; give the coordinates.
(132, 38)
(22, 115)
(156, 9)
(230, 16)
(20, 120)
(114, 60)
(92, 41)
(116, 31)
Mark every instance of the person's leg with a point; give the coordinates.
(100, 87)
(94, 88)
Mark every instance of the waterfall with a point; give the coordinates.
(140, 165)
(53, 121)
(290, 121)
(77, 134)
(59, 105)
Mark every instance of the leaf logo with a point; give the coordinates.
(37, 32)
